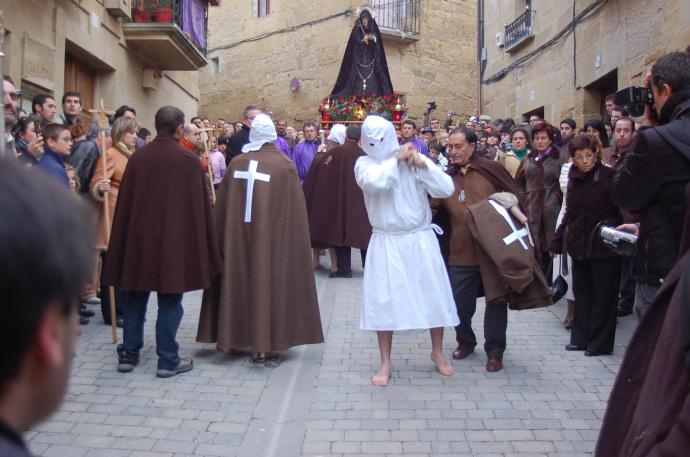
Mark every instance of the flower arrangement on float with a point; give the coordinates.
(357, 107)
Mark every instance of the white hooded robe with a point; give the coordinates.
(406, 285)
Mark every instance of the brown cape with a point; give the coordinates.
(163, 238)
(509, 272)
(335, 203)
(648, 413)
(266, 299)
(496, 174)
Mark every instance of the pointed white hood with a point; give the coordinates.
(379, 140)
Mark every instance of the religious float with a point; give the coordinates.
(364, 85)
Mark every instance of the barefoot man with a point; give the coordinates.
(399, 294)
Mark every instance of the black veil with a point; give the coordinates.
(364, 70)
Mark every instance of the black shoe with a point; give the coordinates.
(573, 347)
(337, 274)
(83, 312)
(125, 362)
(595, 353)
(622, 312)
(83, 320)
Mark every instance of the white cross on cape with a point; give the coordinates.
(516, 235)
(251, 175)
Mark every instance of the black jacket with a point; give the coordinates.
(588, 202)
(236, 142)
(652, 182)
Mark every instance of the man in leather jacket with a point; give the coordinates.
(654, 175)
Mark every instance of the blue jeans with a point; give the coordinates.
(169, 317)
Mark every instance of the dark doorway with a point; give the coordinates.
(535, 112)
(595, 95)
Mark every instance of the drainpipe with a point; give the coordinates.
(480, 47)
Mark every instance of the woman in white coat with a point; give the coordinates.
(399, 292)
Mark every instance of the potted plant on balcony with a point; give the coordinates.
(163, 11)
(140, 13)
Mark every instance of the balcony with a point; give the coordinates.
(519, 31)
(398, 20)
(169, 34)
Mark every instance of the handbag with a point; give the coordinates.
(560, 286)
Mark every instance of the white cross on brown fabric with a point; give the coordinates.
(251, 175)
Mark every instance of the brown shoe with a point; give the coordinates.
(462, 351)
(494, 364)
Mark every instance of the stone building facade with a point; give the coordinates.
(614, 45)
(254, 57)
(92, 46)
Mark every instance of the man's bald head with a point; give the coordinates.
(192, 134)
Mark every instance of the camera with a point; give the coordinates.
(431, 106)
(620, 242)
(634, 99)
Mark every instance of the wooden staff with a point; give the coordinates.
(210, 165)
(103, 124)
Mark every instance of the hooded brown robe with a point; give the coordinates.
(266, 299)
(335, 203)
(163, 238)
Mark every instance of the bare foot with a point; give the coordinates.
(442, 365)
(384, 374)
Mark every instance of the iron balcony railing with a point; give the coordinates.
(519, 31)
(190, 16)
(401, 16)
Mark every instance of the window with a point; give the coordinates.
(215, 65)
(263, 7)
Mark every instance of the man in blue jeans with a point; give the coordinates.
(163, 239)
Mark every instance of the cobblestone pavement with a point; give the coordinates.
(319, 401)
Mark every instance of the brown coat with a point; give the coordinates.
(266, 299)
(538, 180)
(115, 169)
(450, 214)
(335, 203)
(163, 236)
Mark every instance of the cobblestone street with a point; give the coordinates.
(320, 402)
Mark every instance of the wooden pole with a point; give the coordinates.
(103, 124)
(210, 165)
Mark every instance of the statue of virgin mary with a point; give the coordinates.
(364, 70)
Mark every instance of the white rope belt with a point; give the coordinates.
(433, 227)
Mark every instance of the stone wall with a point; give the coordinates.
(622, 37)
(440, 66)
(40, 32)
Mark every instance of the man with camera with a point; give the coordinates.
(654, 174)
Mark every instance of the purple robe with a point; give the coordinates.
(285, 147)
(418, 144)
(303, 156)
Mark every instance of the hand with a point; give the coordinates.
(649, 118)
(104, 186)
(36, 146)
(629, 228)
(409, 155)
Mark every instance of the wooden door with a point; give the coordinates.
(81, 78)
